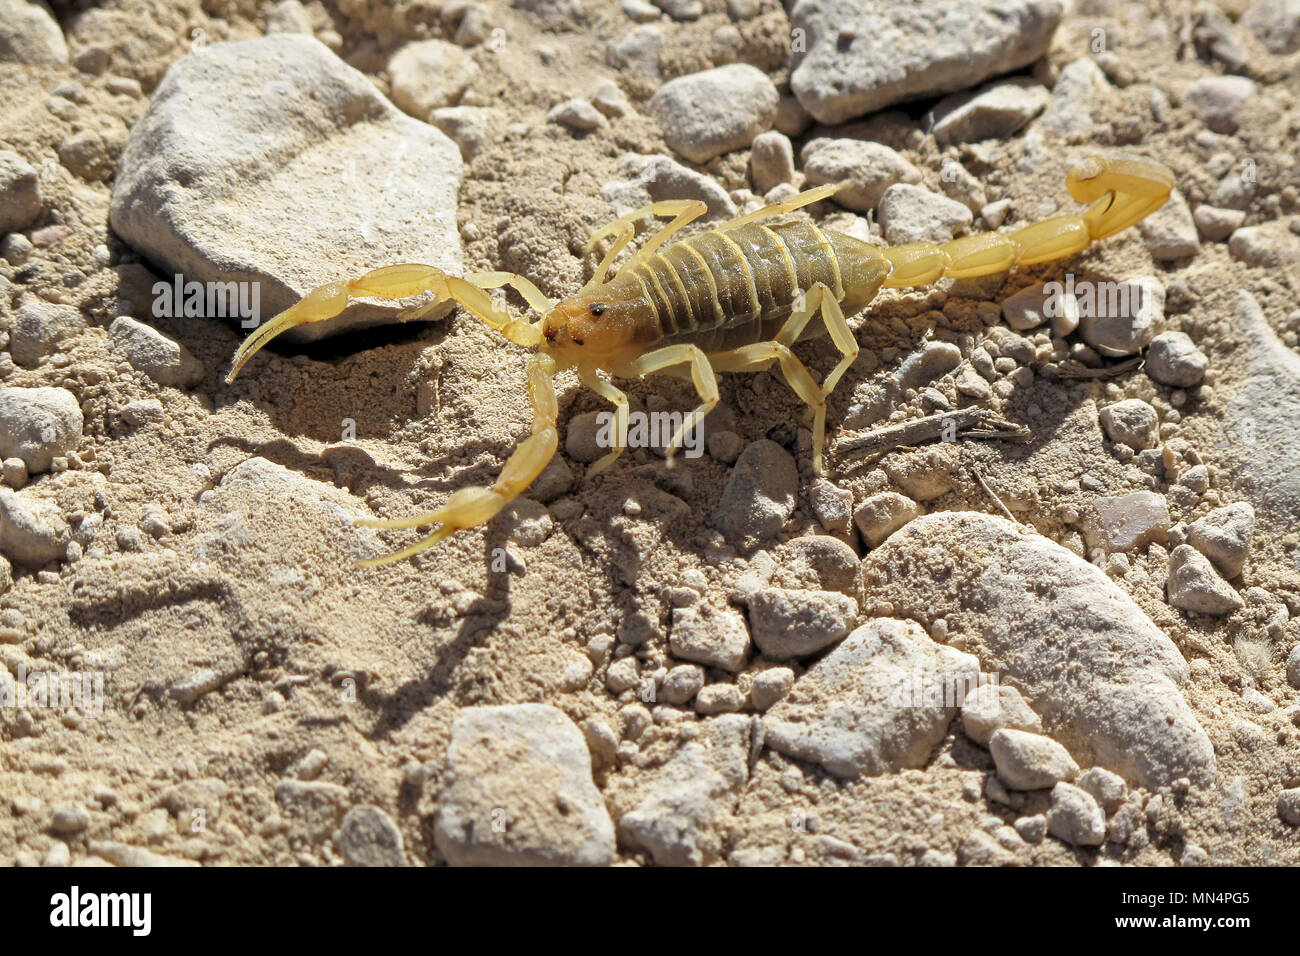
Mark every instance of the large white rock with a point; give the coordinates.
(1103, 677)
(272, 161)
(521, 792)
(858, 56)
(30, 34)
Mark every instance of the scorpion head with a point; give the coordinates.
(600, 321)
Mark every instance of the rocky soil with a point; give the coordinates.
(732, 661)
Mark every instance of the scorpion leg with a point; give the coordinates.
(471, 507)
(611, 393)
(702, 376)
(797, 376)
(389, 282)
(685, 211)
(805, 198)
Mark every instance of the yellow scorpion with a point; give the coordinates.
(730, 299)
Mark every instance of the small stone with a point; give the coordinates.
(658, 178)
(771, 160)
(1288, 806)
(1027, 761)
(1268, 246)
(164, 360)
(868, 169)
(993, 707)
(1276, 23)
(880, 515)
(1217, 224)
(770, 686)
(1075, 817)
(15, 472)
(29, 34)
(20, 193)
(1173, 359)
(1219, 100)
(681, 683)
(1107, 788)
(640, 11)
(33, 531)
(788, 623)
(1123, 324)
(69, 818)
(1293, 667)
(1170, 232)
(622, 675)
(719, 699)
(1081, 88)
(759, 496)
(832, 505)
(37, 425)
(1131, 422)
(706, 114)
(1223, 536)
(1125, 522)
(609, 99)
(681, 9)
(369, 837)
(995, 112)
(577, 116)
(429, 74)
(912, 214)
(475, 26)
(714, 638)
(39, 328)
(1194, 585)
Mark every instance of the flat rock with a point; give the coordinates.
(1102, 676)
(1128, 521)
(272, 161)
(521, 792)
(857, 56)
(873, 705)
(995, 112)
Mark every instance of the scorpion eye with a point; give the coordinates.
(598, 309)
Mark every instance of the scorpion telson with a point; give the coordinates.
(730, 299)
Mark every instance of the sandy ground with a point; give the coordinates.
(308, 669)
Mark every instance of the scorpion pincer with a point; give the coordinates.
(730, 299)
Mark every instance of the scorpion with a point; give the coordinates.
(730, 299)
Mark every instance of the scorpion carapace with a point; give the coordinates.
(730, 299)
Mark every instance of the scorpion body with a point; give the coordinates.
(733, 298)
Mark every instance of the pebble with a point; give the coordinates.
(1223, 536)
(640, 11)
(471, 128)
(638, 52)
(69, 818)
(521, 792)
(429, 74)
(1131, 422)
(1293, 667)
(771, 160)
(1079, 90)
(1128, 521)
(679, 802)
(29, 34)
(880, 515)
(1075, 818)
(1276, 23)
(39, 328)
(15, 248)
(681, 9)
(681, 683)
(796, 623)
(1268, 246)
(1032, 829)
(577, 116)
(759, 496)
(710, 637)
(20, 193)
(932, 361)
(38, 425)
(475, 26)
(719, 699)
(609, 99)
(993, 707)
(1027, 761)
(867, 707)
(123, 854)
(656, 178)
(997, 111)
(706, 114)
(164, 360)
(1107, 788)
(831, 504)
(1103, 677)
(862, 58)
(1194, 586)
(868, 168)
(369, 837)
(1217, 224)
(33, 531)
(770, 686)
(225, 118)
(1170, 232)
(1129, 328)
(1174, 360)
(912, 214)
(1288, 806)
(1219, 100)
